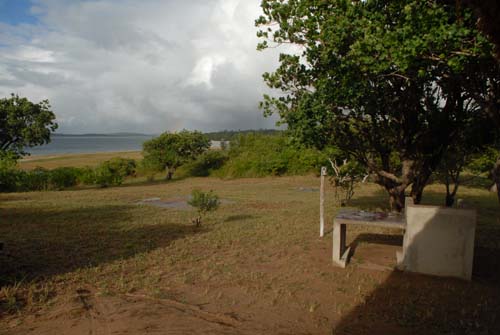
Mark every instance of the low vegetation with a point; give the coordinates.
(204, 202)
(108, 173)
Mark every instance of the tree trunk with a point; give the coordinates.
(418, 185)
(417, 195)
(450, 200)
(495, 175)
(396, 198)
(169, 174)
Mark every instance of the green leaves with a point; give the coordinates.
(204, 201)
(378, 78)
(171, 150)
(24, 124)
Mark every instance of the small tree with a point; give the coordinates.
(170, 150)
(344, 179)
(24, 124)
(204, 202)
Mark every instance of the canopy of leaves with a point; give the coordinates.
(392, 83)
(171, 150)
(24, 124)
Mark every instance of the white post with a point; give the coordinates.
(322, 203)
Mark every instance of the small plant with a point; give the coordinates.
(344, 178)
(204, 202)
(9, 300)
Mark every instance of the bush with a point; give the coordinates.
(9, 176)
(256, 155)
(106, 175)
(63, 177)
(35, 180)
(484, 162)
(87, 176)
(148, 168)
(204, 202)
(114, 171)
(205, 164)
(123, 166)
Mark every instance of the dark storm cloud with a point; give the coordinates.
(144, 66)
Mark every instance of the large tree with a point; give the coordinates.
(170, 150)
(392, 83)
(24, 124)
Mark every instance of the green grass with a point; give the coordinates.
(260, 252)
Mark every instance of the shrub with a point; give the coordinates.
(125, 167)
(87, 176)
(35, 180)
(9, 176)
(106, 175)
(114, 171)
(204, 202)
(205, 164)
(147, 168)
(63, 177)
(256, 155)
(484, 162)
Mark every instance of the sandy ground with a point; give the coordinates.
(87, 312)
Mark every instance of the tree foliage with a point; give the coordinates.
(204, 202)
(391, 83)
(24, 124)
(170, 150)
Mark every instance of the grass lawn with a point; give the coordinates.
(93, 261)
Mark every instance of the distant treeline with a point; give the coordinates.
(231, 135)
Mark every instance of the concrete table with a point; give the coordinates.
(356, 217)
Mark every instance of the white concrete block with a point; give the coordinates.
(439, 241)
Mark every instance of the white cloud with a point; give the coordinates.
(144, 66)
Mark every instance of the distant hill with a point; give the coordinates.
(226, 135)
(110, 135)
(229, 135)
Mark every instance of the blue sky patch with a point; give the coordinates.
(16, 12)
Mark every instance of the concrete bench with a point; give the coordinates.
(345, 218)
(437, 240)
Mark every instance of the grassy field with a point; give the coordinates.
(93, 261)
(74, 160)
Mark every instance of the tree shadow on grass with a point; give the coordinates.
(240, 217)
(40, 243)
(408, 303)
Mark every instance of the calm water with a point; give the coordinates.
(91, 143)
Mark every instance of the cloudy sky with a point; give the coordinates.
(141, 66)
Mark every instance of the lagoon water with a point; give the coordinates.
(90, 143)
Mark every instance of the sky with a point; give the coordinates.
(137, 66)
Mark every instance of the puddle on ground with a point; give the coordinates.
(179, 203)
